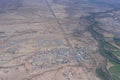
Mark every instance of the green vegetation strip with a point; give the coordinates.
(105, 49)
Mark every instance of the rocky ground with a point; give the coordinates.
(49, 40)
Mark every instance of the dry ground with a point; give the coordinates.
(47, 40)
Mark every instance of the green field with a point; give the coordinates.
(115, 71)
(117, 53)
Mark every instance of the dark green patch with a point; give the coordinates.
(117, 41)
(102, 74)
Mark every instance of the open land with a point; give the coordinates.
(59, 40)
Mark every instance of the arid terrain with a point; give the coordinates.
(59, 40)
